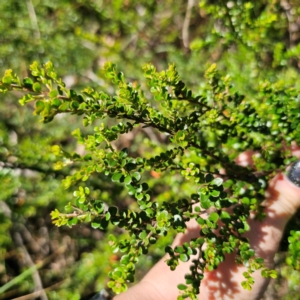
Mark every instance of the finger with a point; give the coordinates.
(245, 159)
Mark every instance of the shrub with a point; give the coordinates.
(182, 144)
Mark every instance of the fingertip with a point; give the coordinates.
(293, 173)
(245, 158)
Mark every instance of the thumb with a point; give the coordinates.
(282, 202)
(283, 194)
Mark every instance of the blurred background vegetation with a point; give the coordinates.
(253, 41)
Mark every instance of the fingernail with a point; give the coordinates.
(294, 173)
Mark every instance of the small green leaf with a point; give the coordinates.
(95, 225)
(56, 102)
(74, 105)
(99, 206)
(204, 201)
(209, 177)
(246, 226)
(137, 176)
(225, 216)
(85, 122)
(28, 82)
(246, 285)
(183, 257)
(116, 177)
(217, 181)
(215, 193)
(179, 249)
(107, 216)
(201, 221)
(213, 217)
(53, 94)
(273, 274)
(88, 218)
(125, 259)
(241, 230)
(88, 157)
(112, 162)
(131, 189)
(113, 210)
(197, 209)
(149, 212)
(127, 179)
(169, 250)
(124, 153)
(72, 221)
(39, 106)
(7, 79)
(37, 87)
(181, 287)
(246, 201)
(139, 196)
(143, 235)
(145, 186)
(64, 106)
(104, 222)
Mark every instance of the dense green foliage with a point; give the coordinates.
(149, 145)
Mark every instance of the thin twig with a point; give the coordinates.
(33, 19)
(38, 293)
(286, 6)
(34, 246)
(186, 23)
(29, 271)
(38, 285)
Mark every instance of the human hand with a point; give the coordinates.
(281, 203)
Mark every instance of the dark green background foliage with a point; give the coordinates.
(144, 104)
